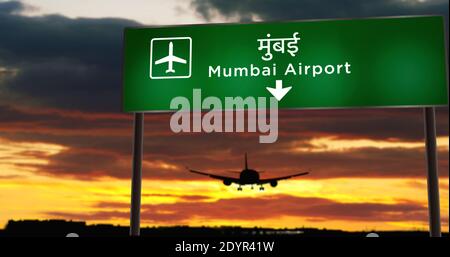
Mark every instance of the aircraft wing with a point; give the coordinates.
(268, 180)
(234, 180)
(163, 60)
(178, 59)
(170, 59)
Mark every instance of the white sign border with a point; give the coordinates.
(190, 57)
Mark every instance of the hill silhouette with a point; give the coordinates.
(60, 228)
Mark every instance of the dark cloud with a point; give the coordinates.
(84, 164)
(76, 63)
(11, 7)
(267, 207)
(378, 124)
(62, 62)
(247, 10)
(179, 197)
(108, 137)
(54, 121)
(95, 163)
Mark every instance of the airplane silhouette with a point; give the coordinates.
(170, 59)
(248, 177)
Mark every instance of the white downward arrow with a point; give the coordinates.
(279, 92)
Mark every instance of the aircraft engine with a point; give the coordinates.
(227, 182)
(273, 183)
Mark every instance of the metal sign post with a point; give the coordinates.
(136, 182)
(432, 174)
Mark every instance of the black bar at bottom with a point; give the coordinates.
(135, 215)
(432, 174)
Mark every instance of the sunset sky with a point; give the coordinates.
(65, 144)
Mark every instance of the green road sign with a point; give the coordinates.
(374, 62)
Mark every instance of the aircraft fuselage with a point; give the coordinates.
(249, 177)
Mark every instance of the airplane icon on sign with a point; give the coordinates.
(170, 59)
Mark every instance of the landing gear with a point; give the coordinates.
(239, 188)
(261, 188)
